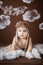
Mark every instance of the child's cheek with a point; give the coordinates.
(25, 33)
(19, 33)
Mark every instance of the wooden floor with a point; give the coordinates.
(22, 60)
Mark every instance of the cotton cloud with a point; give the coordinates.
(31, 15)
(41, 26)
(19, 10)
(39, 47)
(4, 21)
(27, 1)
(1, 3)
(9, 10)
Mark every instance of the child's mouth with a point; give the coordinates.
(22, 35)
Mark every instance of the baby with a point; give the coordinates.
(22, 39)
(21, 45)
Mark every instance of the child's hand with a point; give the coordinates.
(29, 55)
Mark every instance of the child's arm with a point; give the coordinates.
(30, 45)
(13, 47)
(29, 50)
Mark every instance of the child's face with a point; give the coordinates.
(22, 32)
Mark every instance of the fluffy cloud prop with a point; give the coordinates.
(29, 55)
(41, 26)
(19, 10)
(27, 1)
(4, 21)
(40, 48)
(1, 3)
(34, 54)
(9, 10)
(31, 15)
(7, 53)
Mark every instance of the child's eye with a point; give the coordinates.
(19, 30)
(24, 31)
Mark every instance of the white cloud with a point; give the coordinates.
(31, 15)
(1, 2)
(9, 10)
(39, 47)
(41, 26)
(4, 21)
(27, 1)
(19, 10)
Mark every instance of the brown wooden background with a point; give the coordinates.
(7, 34)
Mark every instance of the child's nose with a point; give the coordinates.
(22, 32)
